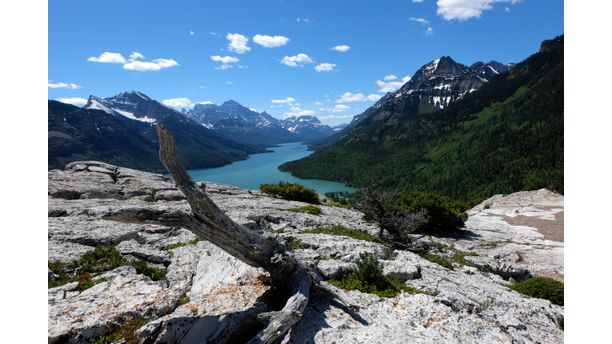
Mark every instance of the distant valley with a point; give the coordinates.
(121, 130)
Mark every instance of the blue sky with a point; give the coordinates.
(185, 52)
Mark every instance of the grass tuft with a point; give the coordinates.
(434, 258)
(308, 209)
(343, 231)
(542, 288)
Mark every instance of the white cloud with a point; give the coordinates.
(191, 33)
(390, 77)
(69, 86)
(390, 86)
(153, 66)
(270, 41)
(340, 108)
(303, 20)
(349, 97)
(325, 67)
(287, 100)
(74, 101)
(421, 21)
(373, 97)
(107, 57)
(466, 9)
(429, 31)
(341, 48)
(417, 1)
(133, 63)
(228, 82)
(334, 117)
(297, 111)
(180, 103)
(135, 56)
(507, 9)
(238, 43)
(224, 59)
(296, 60)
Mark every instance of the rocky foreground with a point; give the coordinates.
(206, 293)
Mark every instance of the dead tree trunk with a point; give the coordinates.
(254, 247)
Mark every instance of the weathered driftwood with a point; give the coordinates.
(254, 247)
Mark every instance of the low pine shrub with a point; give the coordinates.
(542, 288)
(291, 191)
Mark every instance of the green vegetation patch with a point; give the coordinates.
(291, 191)
(343, 231)
(294, 243)
(308, 209)
(368, 278)
(542, 288)
(101, 259)
(560, 322)
(445, 215)
(126, 332)
(434, 258)
(459, 257)
(181, 244)
(86, 281)
(154, 273)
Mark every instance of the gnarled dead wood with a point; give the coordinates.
(254, 247)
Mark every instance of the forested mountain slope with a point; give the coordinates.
(506, 136)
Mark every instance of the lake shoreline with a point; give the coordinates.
(260, 168)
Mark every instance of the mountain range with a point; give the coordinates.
(467, 132)
(121, 130)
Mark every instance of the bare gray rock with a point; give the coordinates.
(207, 294)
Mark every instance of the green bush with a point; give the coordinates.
(291, 191)
(434, 258)
(459, 257)
(542, 288)
(101, 259)
(369, 278)
(560, 320)
(444, 215)
(343, 231)
(127, 332)
(294, 243)
(308, 209)
(152, 272)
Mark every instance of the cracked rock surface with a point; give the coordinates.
(206, 293)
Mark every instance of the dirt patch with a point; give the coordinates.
(550, 229)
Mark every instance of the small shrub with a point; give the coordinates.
(343, 231)
(560, 322)
(184, 299)
(181, 244)
(434, 258)
(308, 209)
(102, 258)
(85, 281)
(445, 215)
(368, 278)
(542, 288)
(294, 243)
(126, 332)
(154, 273)
(291, 191)
(459, 257)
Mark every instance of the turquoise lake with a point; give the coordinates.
(263, 168)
